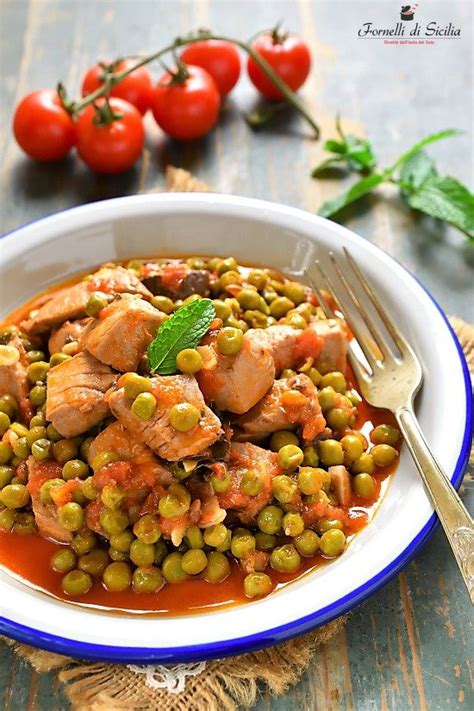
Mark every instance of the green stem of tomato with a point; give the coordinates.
(112, 79)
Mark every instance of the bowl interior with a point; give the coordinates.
(261, 233)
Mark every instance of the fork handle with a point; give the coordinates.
(454, 517)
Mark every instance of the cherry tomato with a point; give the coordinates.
(189, 109)
(288, 55)
(42, 127)
(112, 147)
(221, 59)
(136, 88)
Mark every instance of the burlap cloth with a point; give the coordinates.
(221, 685)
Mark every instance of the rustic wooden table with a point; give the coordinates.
(409, 646)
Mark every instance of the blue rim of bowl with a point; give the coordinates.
(276, 635)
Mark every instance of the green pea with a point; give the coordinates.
(242, 545)
(229, 341)
(362, 464)
(84, 448)
(175, 502)
(63, 560)
(293, 524)
(327, 398)
(46, 487)
(71, 516)
(96, 302)
(283, 488)
(184, 416)
(141, 553)
(194, 537)
(310, 480)
(21, 448)
(258, 278)
(217, 568)
(163, 303)
(223, 310)
(147, 580)
(329, 524)
(6, 475)
(385, 434)
(8, 405)
(189, 360)
(383, 455)
(364, 485)
(220, 484)
(112, 496)
(53, 434)
(41, 449)
(7, 519)
(147, 529)
(264, 541)
(285, 559)
(161, 551)
(227, 265)
(58, 358)
(194, 561)
(332, 542)
(295, 320)
(38, 420)
(337, 418)
(236, 323)
(122, 541)
(117, 576)
(256, 319)
(88, 489)
(310, 457)
(113, 521)
(281, 439)
(134, 385)
(172, 568)
(83, 542)
(35, 433)
(269, 519)
(280, 306)
(102, 459)
(215, 536)
(76, 582)
(257, 584)
(75, 469)
(250, 299)
(14, 496)
(19, 429)
(37, 372)
(37, 395)
(94, 563)
(4, 423)
(144, 406)
(331, 452)
(252, 482)
(35, 356)
(230, 278)
(294, 291)
(6, 453)
(64, 450)
(334, 380)
(352, 447)
(307, 543)
(290, 457)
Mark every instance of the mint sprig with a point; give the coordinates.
(414, 172)
(184, 329)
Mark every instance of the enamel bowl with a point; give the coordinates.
(74, 241)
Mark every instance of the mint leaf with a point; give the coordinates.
(446, 199)
(439, 136)
(335, 146)
(360, 155)
(184, 329)
(325, 164)
(358, 190)
(415, 170)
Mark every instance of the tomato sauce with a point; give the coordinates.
(28, 556)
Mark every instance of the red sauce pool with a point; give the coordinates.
(29, 555)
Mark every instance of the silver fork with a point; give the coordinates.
(394, 378)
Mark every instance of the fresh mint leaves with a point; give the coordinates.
(415, 173)
(184, 329)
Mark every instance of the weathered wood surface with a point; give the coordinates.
(410, 645)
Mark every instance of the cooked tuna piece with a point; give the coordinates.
(13, 379)
(75, 394)
(341, 484)
(237, 382)
(313, 513)
(146, 468)
(46, 515)
(255, 561)
(289, 402)
(157, 432)
(67, 333)
(243, 457)
(324, 341)
(121, 334)
(69, 304)
(177, 281)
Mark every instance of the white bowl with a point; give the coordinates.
(73, 241)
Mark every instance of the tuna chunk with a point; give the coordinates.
(157, 432)
(75, 394)
(333, 352)
(70, 303)
(177, 280)
(341, 484)
(280, 341)
(289, 402)
(236, 383)
(13, 379)
(67, 333)
(46, 515)
(245, 456)
(121, 334)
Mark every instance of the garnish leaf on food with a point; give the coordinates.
(184, 329)
(414, 172)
